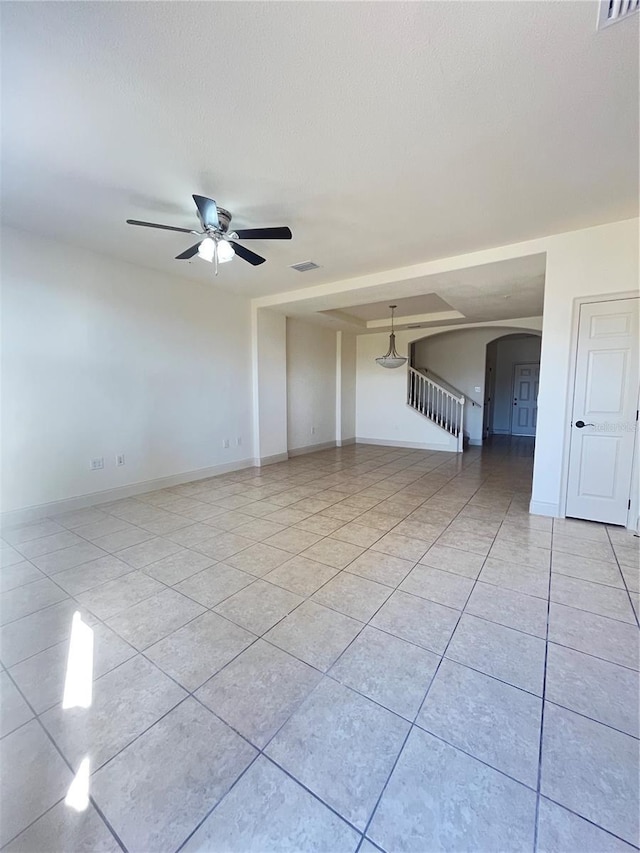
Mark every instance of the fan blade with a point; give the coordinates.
(265, 234)
(188, 253)
(155, 225)
(207, 211)
(247, 254)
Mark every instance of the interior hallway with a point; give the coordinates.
(368, 647)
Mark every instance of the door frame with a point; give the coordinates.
(578, 302)
(489, 394)
(517, 364)
(633, 515)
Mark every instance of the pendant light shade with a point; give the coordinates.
(391, 358)
(207, 249)
(225, 251)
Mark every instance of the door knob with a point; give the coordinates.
(581, 424)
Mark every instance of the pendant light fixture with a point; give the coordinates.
(391, 358)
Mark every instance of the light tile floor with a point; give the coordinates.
(362, 649)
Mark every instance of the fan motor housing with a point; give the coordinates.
(224, 218)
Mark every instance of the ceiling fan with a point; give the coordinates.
(218, 243)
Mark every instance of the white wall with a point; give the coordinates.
(346, 394)
(100, 357)
(269, 353)
(592, 262)
(509, 352)
(311, 384)
(382, 413)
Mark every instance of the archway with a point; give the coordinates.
(512, 372)
(457, 358)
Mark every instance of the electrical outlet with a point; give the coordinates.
(477, 389)
(119, 460)
(225, 443)
(238, 441)
(97, 463)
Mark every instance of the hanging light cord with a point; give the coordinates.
(392, 337)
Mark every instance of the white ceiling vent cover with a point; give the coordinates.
(612, 11)
(305, 266)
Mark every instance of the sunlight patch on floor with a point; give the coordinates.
(78, 794)
(78, 684)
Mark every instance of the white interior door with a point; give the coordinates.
(524, 411)
(604, 411)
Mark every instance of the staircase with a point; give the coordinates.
(444, 406)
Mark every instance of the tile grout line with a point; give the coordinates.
(167, 586)
(398, 490)
(36, 719)
(421, 705)
(542, 710)
(328, 675)
(587, 820)
(261, 752)
(159, 719)
(143, 569)
(132, 741)
(394, 589)
(262, 636)
(624, 580)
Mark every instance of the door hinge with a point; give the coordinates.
(636, 414)
(629, 504)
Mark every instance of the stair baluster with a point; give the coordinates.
(438, 404)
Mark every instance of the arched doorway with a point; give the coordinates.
(512, 370)
(457, 359)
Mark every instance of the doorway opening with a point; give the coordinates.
(512, 371)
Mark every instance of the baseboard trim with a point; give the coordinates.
(345, 441)
(409, 445)
(475, 442)
(312, 448)
(545, 508)
(271, 460)
(33, 513)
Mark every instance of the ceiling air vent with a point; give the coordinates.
(611, 11)
(305, 266)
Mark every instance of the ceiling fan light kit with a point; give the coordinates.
(219, 250)
(391, 358)
(207, 249)
(219, 244)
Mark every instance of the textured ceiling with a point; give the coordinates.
(503, 290)
(426, 304)
(384, 134)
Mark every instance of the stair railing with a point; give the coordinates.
(435, 402)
